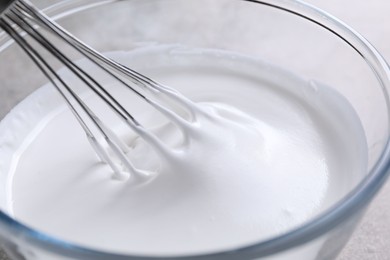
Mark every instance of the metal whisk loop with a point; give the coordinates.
(20, 16)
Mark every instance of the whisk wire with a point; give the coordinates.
(50, 73)
(85, 77)
(134, 76)
(20, 18)
(137, 78)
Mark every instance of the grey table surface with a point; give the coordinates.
(371, 240)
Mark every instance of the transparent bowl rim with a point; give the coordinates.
(351, 204)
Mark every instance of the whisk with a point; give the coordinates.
(20, 18)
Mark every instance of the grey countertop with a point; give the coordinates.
(371, 240)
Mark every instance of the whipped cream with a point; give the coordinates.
(265, 152)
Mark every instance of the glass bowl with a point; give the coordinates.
(288, 33)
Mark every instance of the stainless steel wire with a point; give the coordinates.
(20, 18)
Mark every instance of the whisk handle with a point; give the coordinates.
(4, 4)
